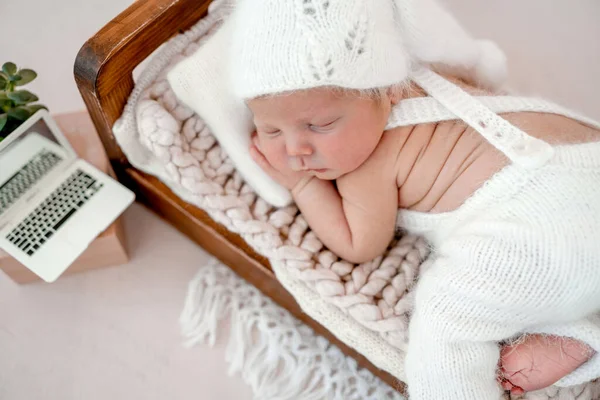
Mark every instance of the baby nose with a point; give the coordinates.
(297, 147)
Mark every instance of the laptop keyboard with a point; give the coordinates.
(26, 177)
(55, 210)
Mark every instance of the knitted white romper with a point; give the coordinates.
(521, 255)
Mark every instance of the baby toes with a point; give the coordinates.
(538, 361)
(517, 368)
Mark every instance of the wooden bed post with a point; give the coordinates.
(104, 65)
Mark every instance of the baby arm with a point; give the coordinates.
(356, 220)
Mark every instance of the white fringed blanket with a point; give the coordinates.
(367, 306)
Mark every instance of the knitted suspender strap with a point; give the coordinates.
(519, 147)
(423, 110)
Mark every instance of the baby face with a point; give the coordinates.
(321, 131)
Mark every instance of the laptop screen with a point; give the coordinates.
(25, 159)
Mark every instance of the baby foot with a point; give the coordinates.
(538, 361)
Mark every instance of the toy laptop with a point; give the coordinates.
(52, 203)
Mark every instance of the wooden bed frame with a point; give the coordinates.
(103, 72)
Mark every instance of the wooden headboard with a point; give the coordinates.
(104, 65)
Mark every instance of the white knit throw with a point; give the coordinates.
(277, 355)
(366, 305)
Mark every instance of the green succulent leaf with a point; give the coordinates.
(20, 113)
(16, 106)
(5, 102)
(35, 108)
(9, 69)
(5, 105)
(22, 97)
(27, 75)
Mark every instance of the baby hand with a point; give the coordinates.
(287, 178)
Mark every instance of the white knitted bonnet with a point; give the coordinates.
(286, 45)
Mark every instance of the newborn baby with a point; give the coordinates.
(346, 171)
(369, 143)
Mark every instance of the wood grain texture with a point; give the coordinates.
(104, 65)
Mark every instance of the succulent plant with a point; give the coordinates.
(16, 104)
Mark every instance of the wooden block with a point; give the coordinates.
(109, 248)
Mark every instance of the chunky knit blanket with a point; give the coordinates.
(367, 306)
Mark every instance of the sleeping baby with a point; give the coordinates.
(385, 115)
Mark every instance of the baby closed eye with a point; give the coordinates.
(271, 134)
(323, 127)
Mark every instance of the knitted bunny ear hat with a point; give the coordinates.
(287, 45)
